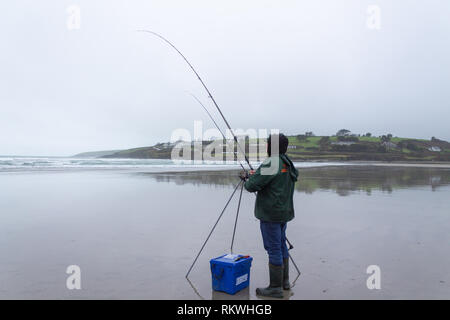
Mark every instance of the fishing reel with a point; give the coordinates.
(243, 175)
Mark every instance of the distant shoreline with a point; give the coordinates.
(308, 147)
(64, 164)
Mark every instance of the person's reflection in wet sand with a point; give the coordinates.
(244, 294)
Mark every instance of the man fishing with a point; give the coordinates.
(274, 204)
(274, 183)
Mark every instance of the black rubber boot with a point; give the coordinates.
(286, 284)
(275, 289)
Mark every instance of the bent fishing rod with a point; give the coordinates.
(234, 137)
(204, 86)
(217, 126)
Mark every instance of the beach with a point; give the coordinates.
(134, 232)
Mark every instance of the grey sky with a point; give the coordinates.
(293, 65)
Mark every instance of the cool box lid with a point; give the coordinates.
(230, 260)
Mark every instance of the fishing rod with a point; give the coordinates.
(217, 126)
(209, 114)
(237, 216)
(206, 88)
(214, 227)
(235, 139)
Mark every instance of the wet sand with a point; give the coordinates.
(135, 234)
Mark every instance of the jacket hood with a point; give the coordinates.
(292, 170)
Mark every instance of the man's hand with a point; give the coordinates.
(252, 172)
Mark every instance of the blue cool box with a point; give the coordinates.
(228, 275)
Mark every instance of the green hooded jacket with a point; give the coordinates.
(274, 181)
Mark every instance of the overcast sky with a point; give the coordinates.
(294, 65)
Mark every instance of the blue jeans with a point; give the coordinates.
(274, 238)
